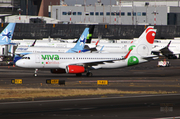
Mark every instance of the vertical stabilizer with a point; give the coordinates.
(80, 43)
(145, 42)
(144, 33)
(91, 30)
(7, 34)
(146, 30)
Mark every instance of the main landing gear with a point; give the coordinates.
(87, 74)
(79, 74)
(35, 72)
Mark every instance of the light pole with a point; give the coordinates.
(115, 17)
(146, 4)
(155, 13)
(19, 10)
(119, 11)
(70, 12)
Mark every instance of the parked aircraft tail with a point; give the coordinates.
(81, 42)
(144, 33)
(7, 34)
(145, 42)
(91, 30)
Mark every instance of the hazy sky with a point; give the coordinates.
(105, 2)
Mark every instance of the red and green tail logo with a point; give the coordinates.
(133, 60)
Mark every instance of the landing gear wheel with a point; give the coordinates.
(89, 74)
(35, 72)
(79, 74)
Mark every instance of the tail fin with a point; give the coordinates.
(144, 33)
(7, 34)
(91, 30)
(81, 42)
(144, 45)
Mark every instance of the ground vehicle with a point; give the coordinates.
(163, 63)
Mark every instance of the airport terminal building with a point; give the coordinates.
(124, 13)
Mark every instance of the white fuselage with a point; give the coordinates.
(39, 49)
(61, 60)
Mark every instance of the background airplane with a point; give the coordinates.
(119, 47)
(78, 63)
(79, 46)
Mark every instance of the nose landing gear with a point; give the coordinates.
(35, 72)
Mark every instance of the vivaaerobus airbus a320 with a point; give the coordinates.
(78, 63)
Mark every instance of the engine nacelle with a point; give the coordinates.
(58, 71)
(75, 69)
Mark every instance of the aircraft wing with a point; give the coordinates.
(88, 63)
(151, 57)
(85, 63)
(12, 43)
(95, 62)
(9, 44)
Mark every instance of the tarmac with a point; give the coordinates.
(142, 77)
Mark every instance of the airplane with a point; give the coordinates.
(79, 46)
(78, 63)
(62, 47)
(7, 34)
(56, 43)
(170, 50)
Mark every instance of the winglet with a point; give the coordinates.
(168, 44)
(102, 48)
(33, 43)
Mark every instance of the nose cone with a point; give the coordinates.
(19, 63)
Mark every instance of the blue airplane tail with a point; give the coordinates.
(7, 34)
(80, 43)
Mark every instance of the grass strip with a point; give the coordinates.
(37, 92)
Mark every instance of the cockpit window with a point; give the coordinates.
(25, 57)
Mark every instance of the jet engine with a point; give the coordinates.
(74, 69)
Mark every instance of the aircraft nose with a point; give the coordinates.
(19, 63)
